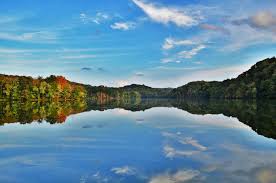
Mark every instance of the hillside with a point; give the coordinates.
(258, 82)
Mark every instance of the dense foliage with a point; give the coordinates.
(29, 89)
(258, 82)
(126, 93)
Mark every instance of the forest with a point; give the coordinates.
(21, 88)
(258, 82)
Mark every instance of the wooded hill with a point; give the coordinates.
(258, 82)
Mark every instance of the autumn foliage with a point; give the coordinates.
(51, 88)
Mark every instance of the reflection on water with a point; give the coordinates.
(52, 112)
(259, 115)
(153, 141)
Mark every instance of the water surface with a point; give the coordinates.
(147, 141)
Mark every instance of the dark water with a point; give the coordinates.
(154, 141)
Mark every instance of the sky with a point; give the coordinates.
(160, 43)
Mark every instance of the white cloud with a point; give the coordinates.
(178, 177)
(170, 60)
(192, 52)
(166, 15)
(170, 43)
(123, 26)
(125, 170)
(99, 18)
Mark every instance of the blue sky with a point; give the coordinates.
(161, 43)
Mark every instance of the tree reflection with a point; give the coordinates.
(27, 112)
(259, 115)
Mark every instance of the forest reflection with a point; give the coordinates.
(259, 115)
(27, 112)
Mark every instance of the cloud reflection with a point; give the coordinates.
(125, 170)
(178, 177)
(182, 142)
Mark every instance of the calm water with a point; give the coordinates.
(152, 141)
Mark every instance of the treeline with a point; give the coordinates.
(28, 89)
(257, 82)
(125, 94)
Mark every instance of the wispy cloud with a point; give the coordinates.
(170, 43)
(123, 26)
(40, 36)
(192, 52)
(214, 28)
(170, 60)
(166, 15)
(99, 18)
(190, 48)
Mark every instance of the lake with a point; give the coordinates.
(153, 141)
